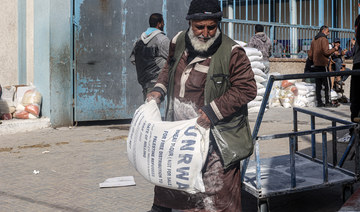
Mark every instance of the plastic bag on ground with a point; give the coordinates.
(34, 109)
(24, 115)
(167, 154)
(8, 95)
(20, 91)
(31, 97)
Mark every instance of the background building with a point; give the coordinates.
(76, 51)
(294, 23)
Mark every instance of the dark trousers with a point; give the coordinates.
(354, 94)
(319, 82)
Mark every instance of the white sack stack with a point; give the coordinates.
(258, 67)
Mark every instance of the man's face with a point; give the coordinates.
(161, 25)
(204, 29)
(326, 31)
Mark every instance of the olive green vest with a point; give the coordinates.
(232, 134)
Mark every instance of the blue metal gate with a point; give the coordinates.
(105, 82)
(101, 78)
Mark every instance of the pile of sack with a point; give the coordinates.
(290, 93)
(22, 102)
(261, 78)
(286, 93)
(260, 75)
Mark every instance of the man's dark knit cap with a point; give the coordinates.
(204, 9)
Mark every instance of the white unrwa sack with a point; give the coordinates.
(252, 52)
(257, 64)
(241, 43)
(167, 154)
(259, 73)
(259, 79)
(255, 58)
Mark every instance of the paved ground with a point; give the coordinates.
(73, 161)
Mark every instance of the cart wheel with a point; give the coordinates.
(347, 192)
(263, 206)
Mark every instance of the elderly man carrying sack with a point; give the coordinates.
(208, 75)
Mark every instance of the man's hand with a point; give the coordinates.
(153, 95)
(203, 120)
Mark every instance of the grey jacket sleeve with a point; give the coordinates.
(164, 43)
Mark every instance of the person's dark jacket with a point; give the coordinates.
(319, 50)
(149, 55)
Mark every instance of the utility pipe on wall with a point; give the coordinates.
(293, 31)
(231, 17)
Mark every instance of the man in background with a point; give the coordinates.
(150, 53)
(278, 49)
(262, 42)
(319, 53)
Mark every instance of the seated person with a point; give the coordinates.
(336, 60)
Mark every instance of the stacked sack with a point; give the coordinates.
(306, 95)
(261, 78)
(29, 107)
(289, 93)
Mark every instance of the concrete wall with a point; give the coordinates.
(42, 52)
(30, 41)
(10, 23)
(61, 87)
(52, 53)
(9, 41)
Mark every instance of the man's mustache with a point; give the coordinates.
(204, 38)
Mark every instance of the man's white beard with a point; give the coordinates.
(201, 46)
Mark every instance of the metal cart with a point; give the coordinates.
(296, 172)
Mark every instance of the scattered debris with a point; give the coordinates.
(44, 152)
(117, 182)
(34, 146)
(36, 172)
(62, 143)
(92, 141)
(6, 149)
(107, 139)
(344, 139)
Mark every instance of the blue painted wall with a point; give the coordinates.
(52, 67)
(53, 74)
(42, 52)
(61, 87)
